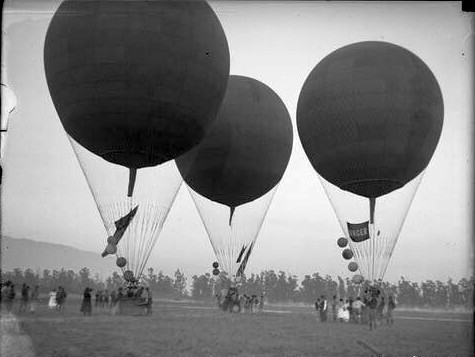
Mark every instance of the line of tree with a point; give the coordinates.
(277, 287)
(75, 282)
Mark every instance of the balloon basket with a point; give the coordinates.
(133, 306)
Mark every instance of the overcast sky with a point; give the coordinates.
(46, 198)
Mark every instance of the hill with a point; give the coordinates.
(27, 253)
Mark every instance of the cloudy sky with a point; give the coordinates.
(46, 198)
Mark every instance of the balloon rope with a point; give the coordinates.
(153, 231)
(232, 241)
(132, 177)
(256, 234)
(141, 232)
(135, 225)
(389, 243)
(372, 205)
(126, 240)
(231, 213)
(116, 210)
(151, 234)
(389, 251)
(156, 221)
(134, 235)
(241, 240)
(130, 235)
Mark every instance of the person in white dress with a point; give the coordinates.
(343, 312)
(52, 300)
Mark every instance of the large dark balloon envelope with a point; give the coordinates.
(369, 117)
(246, 151)
(136, 82)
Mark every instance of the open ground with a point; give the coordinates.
(191, 329)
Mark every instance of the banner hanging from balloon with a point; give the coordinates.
(358, 232)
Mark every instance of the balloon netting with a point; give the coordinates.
(154, 192)
(234, 240)
(373, 254)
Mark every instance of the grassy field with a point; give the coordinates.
(187, 329)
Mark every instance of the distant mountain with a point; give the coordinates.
(27, 253)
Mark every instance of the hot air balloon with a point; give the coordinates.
(369, 118)
(135, 85)
(233, 173)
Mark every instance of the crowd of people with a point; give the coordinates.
(371, 309)
(139, 295)
(231, 300)
(57, 299)
(28, 299)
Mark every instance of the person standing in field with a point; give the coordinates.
(11, 297)
(86, 305)
(380, 310)
(372, 309)
(8, 295)
(343, 313)
(25, 294)
(324, 308)
(5, 292)
(261, 304)
(35, 294)
(317, 309)
(101, 298)
(334, 308)
(357, 310)
(350, 310)
(52, 299)
(390, 314)
(113, 298)
(254, 303)
(118, 307)
(149, 300)
(365, 309)
(58, 298)
(106, 298)
(61, 298)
